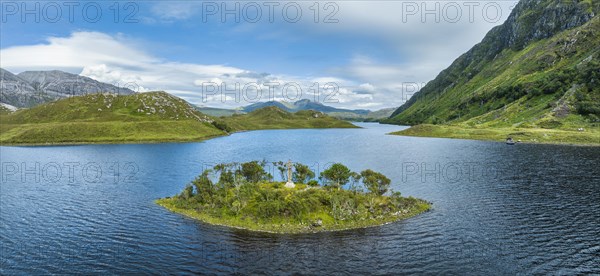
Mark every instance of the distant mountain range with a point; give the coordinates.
(31, 88)
(304, 104)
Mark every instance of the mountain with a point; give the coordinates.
(108, 118)
(31, 88)
(272, 117)
(344, 114)
(382, 113)
(372, 116)
(303, 104)
(538, 70)
(16, 91)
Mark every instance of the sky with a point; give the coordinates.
(349, 54)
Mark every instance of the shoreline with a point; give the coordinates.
(285, 228)
(125, 142)
(536, 136)
(142, 142)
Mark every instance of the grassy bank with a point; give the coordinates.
(527, 135)
(245, 196)
(106, 133)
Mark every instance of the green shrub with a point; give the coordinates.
(312, 183)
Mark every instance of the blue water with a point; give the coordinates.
(498, 209)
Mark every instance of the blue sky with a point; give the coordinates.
(378, 52)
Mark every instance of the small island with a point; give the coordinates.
(246, 196)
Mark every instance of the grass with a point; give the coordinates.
(108, 118)
(106, 132)
(527, 135)
(289, 226)
(151, 117)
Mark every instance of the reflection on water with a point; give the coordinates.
(497, 209)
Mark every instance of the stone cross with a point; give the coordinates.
(289, 183)
(289, 170)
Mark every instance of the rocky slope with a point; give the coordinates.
(539, 69)
(31, 88)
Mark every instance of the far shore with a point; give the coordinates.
(587, 137)
(142, 141)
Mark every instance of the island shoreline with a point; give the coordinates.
(203, 218)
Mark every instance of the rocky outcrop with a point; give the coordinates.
(538, 19)
(530, 21)
(18, 92)
(31, 88)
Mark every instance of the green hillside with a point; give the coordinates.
(218, 112)
(144, 117)
(537, 75)
(108, 118)
(372, 116)
(274, 118)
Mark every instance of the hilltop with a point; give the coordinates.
(535, 78)
(108, 118)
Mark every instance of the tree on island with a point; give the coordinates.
(302, 173)
(377, 183)
(204, 186)
(281, 167)
(226, 176)
(337, 175)
(254, 171)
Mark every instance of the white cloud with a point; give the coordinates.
(421, 44)
(81, 48)
(116, 60)
(416, 50)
